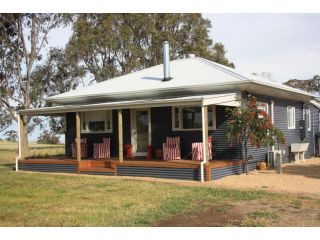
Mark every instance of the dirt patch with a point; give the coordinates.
(291, 211)
(214, 216)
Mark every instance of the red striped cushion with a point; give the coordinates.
(173, 141)
(170, 153)
(101, 150)
(197, 150)
(83, 150)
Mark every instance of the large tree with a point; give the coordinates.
(108, 45)
(22, 39)
(309, 85)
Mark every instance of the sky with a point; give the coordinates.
(286, 45)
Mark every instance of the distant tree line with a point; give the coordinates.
(311, 85)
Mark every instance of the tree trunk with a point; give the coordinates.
(25, 143)
(246, 156)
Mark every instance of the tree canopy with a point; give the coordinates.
(109, 45)
(102, 46)
(309, 85)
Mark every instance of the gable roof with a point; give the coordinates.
(191, 76)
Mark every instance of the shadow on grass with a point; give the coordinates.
(311, 171)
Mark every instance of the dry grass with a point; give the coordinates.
(38, 199)
(9, 151)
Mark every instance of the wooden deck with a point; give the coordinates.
(132, 167)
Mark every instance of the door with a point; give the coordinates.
(140, 131)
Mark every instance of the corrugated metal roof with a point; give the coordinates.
(188, 75)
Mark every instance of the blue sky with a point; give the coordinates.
(286, 45)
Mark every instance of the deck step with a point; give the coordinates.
(95, 169)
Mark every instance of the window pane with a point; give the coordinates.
(176, 117)
(96, 126)
(210, 117)
(192, 117)
(290, 117)
(262, 106)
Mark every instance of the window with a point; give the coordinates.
(291, 117)
(189, 118)
(319, 122)
(307, 118)
(98, 121)
(262, 106)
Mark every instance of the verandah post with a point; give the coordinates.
(21, 126)
(78, 134)
(204, 139)
(120, 133)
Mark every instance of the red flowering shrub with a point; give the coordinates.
(253, 126)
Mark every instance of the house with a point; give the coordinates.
(184, 98)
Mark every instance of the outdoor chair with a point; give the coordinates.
(102, 150)
(197, 150)
(83, 143)
(171, 148)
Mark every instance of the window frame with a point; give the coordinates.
(180, 122)
(85, 119)
(294, 117)
(263, 104)
(307, 110)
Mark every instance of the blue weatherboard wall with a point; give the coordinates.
(162, 127)
(281, 122)
(97, 137)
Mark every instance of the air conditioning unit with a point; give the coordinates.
(275, 156)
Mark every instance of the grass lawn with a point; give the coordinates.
(9, 151)
(43, 199)
(38, 199)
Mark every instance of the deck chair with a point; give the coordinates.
(197, 150)
(83, 142)
(171, 148)
(102, 150)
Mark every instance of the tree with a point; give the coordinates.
(47, 137)
(252, 126)
(109, 45)
(11, 136)
(309, 85)
(22, 38)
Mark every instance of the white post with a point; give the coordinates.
(272, 118)
(19, 140)
(204, 115)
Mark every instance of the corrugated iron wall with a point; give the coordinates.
(41, 167)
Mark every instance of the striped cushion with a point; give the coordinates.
(101, 150)
(197, 150)
(171, 148)
(83, 150)
(173, 141)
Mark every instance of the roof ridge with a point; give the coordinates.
(224, 68)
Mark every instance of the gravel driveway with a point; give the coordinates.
(302, 178)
